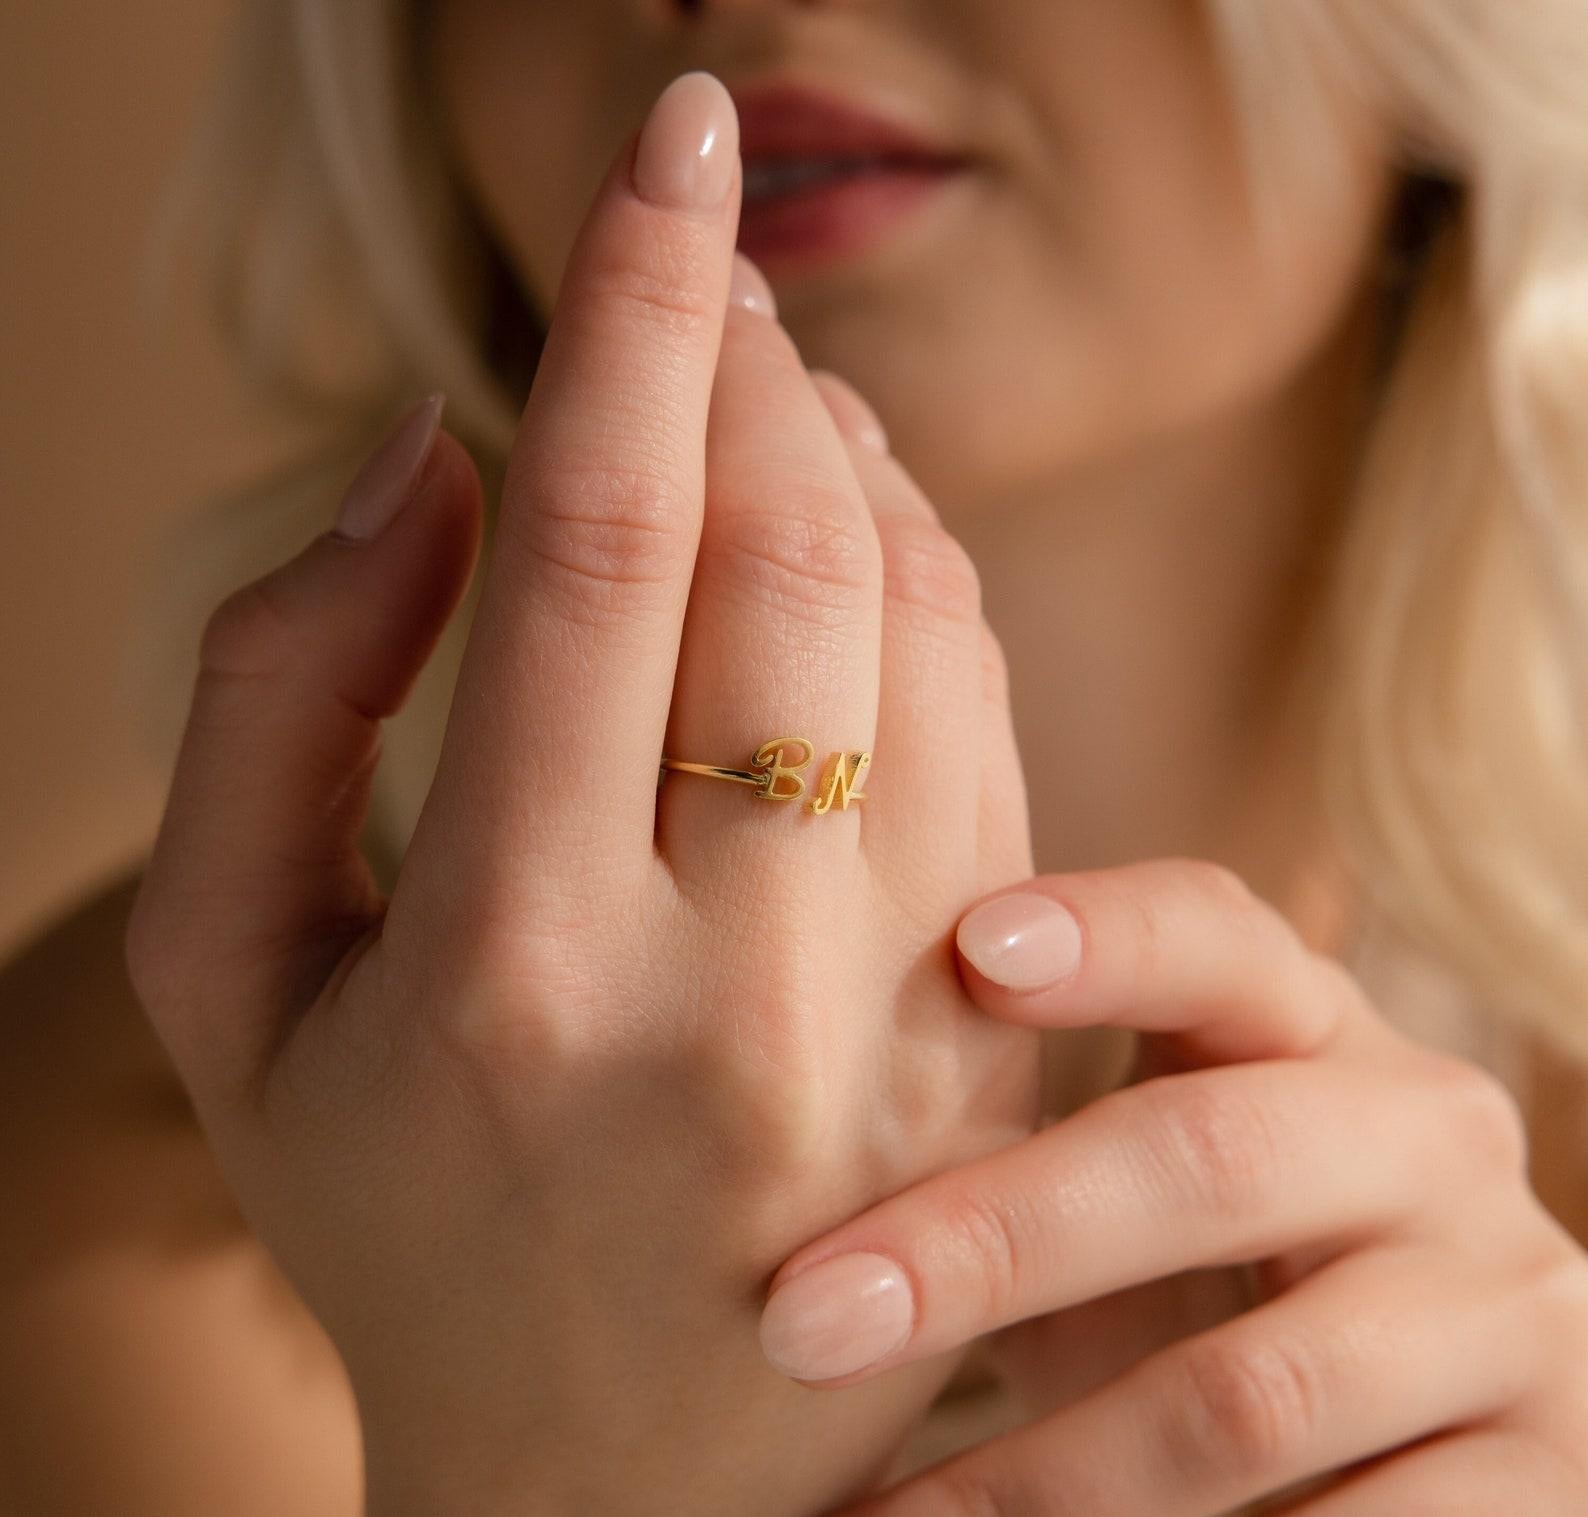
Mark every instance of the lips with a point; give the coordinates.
(824, 177)
(779, 122)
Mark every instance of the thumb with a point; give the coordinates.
(256, 885)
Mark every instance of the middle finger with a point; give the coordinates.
(782, 633)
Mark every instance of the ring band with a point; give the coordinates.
(775, 780)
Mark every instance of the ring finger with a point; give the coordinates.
(931, 712)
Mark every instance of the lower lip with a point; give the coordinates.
(837, 219)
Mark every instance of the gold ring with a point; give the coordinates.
(776, 780)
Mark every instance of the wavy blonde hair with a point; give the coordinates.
(1454, 634)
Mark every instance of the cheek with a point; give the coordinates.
(1175, 299)
(520, 91)
(1121, 264)
(1198, 303)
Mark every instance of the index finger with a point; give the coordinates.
(562, 697)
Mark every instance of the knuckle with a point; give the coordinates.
(1145, 938)
(927, 569)
(1219, 885)
(501, 987)
(1159, 899)
(994, 668)
(609, 533)
(996, 1232)
(653, 282)
(247, 634)
(1250, 1408)
(146, 951)
(1336, 984)
(1485, 1111)
(1215, 892)
(807, 549)
(504, 1017)
(1220, 1148)
(1319, 992)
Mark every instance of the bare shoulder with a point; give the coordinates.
(152, 1358)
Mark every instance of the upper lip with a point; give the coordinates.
(781, 119)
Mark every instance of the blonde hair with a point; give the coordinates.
(1454, 634)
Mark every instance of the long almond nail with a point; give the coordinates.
(688, 145)
(382, 485)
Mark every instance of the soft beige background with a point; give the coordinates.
(107, 426)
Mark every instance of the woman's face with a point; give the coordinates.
(1093, 282)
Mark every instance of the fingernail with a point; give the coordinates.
(749, 288)
(688, 144)
(382, 485)
(867, 427)
(837, 1317)
(852, 412)
(1021, 941)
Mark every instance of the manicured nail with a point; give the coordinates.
(850, 409)
(837, 1317)
(875, 439)
(1021, 941)
(688, 145)
(382, 485)
(866, 426)
(749, 288)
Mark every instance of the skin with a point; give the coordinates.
(1138, 418)
(579, 988)
(394, 1089)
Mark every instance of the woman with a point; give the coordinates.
(763, 1127)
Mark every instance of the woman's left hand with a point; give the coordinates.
(1397, 1324)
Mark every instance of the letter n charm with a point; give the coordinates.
(840, 781)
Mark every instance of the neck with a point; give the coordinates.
(1153, 613)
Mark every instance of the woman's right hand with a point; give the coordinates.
(531, 1137)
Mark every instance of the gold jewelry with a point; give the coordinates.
(775, 780)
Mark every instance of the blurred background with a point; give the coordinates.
(111, 427)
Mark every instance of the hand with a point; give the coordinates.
(530, 1137)
(1417, 1333)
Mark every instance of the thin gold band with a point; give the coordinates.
(775, 780)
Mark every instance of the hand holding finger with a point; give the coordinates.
(1415, 1286)
(557, 1005)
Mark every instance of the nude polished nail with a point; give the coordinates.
(1021, 941)
(837, 1317)
(689, 144)
(382, 485)
(748, 288)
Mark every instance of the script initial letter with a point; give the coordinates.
(840, 781)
